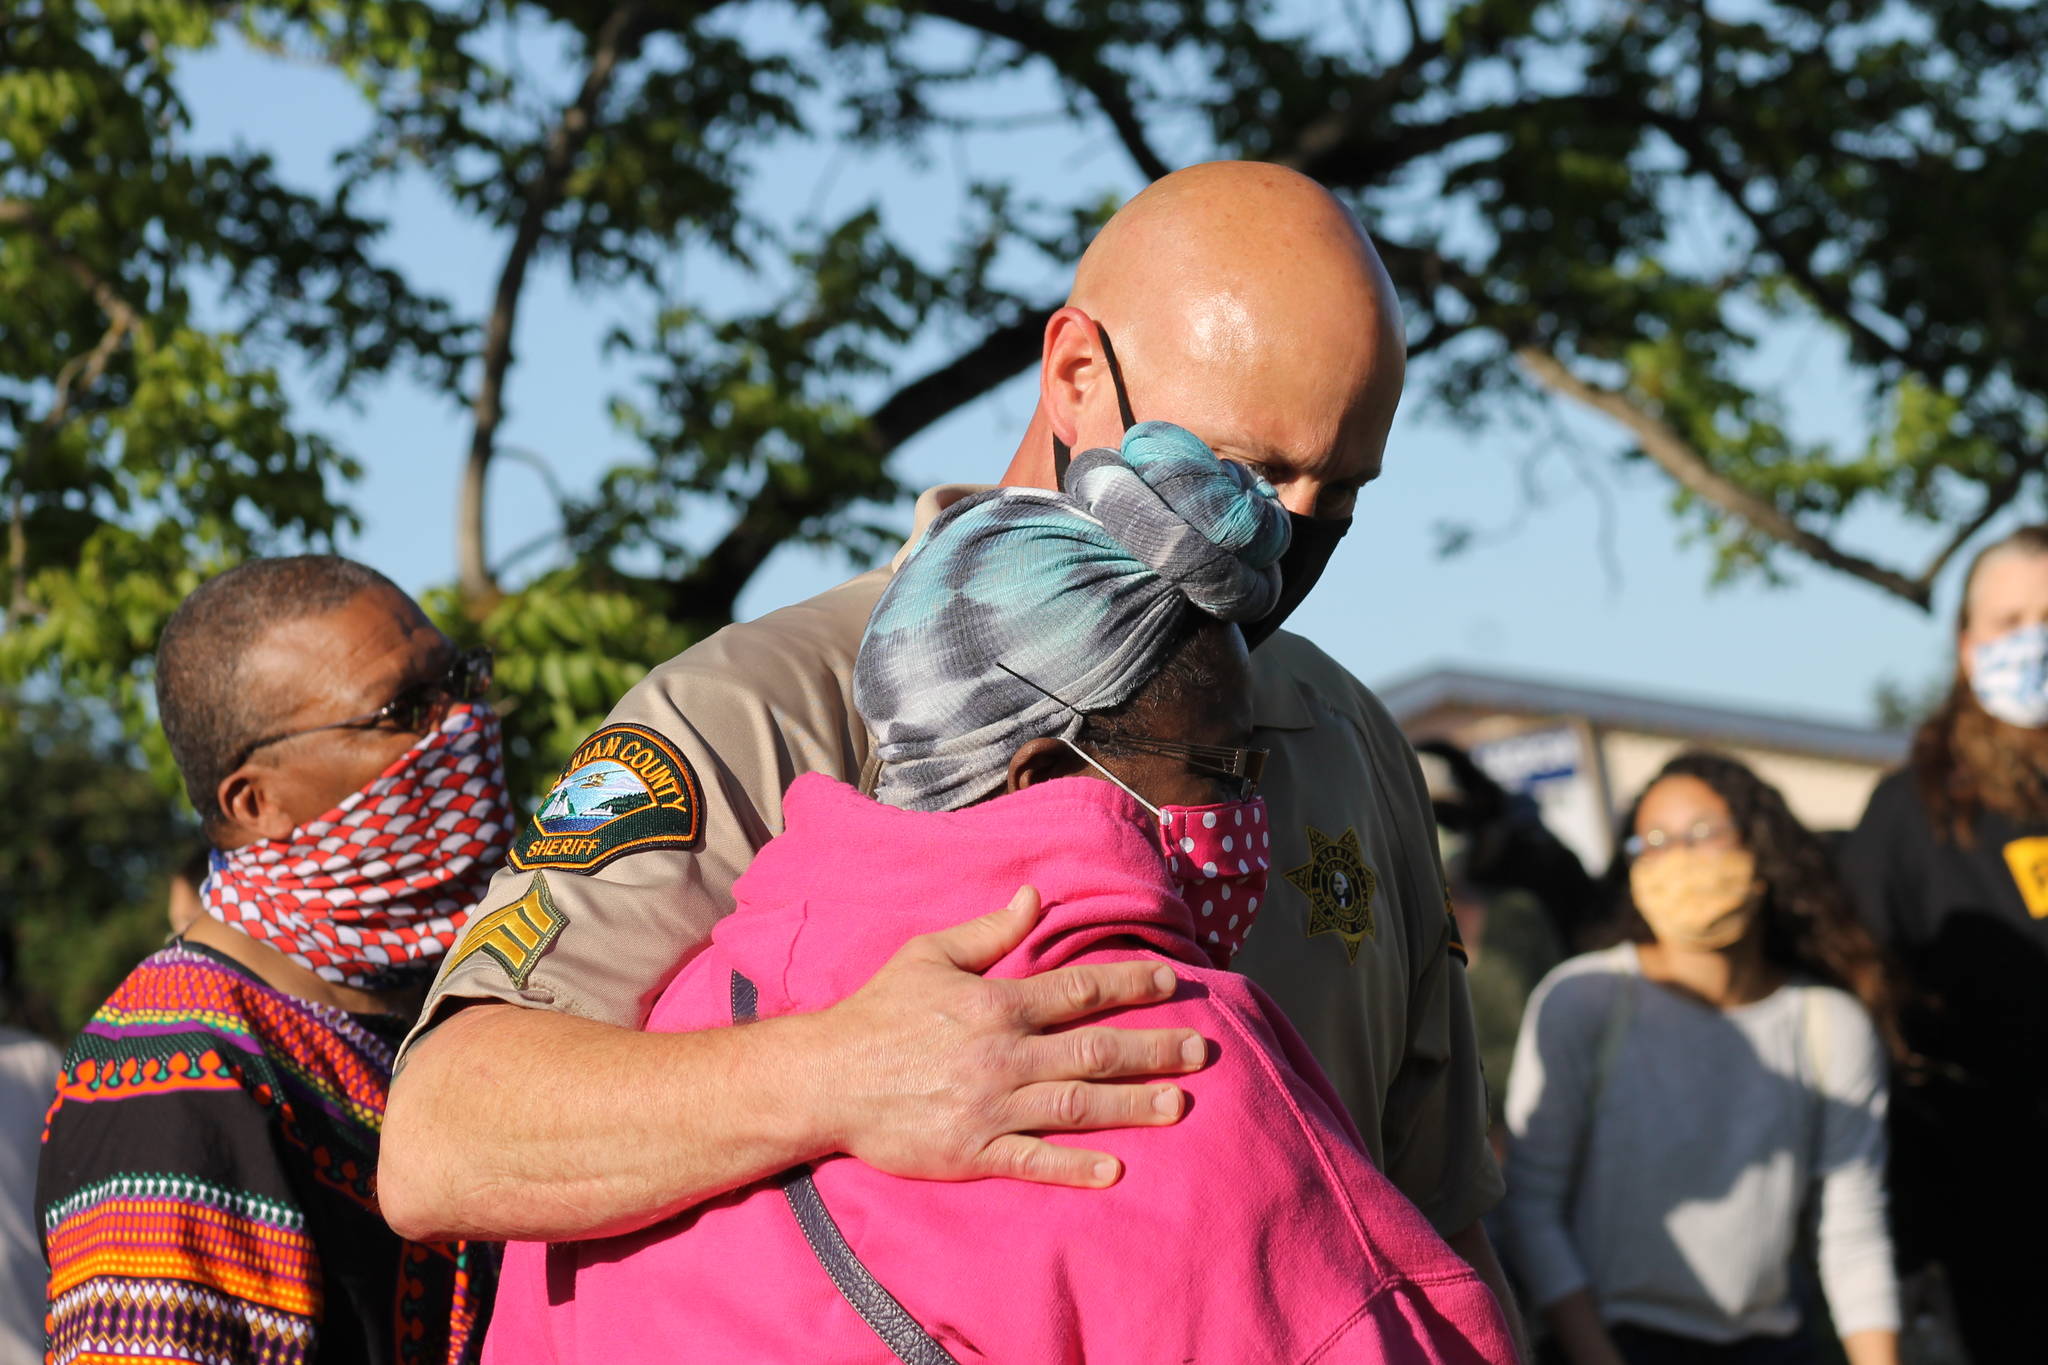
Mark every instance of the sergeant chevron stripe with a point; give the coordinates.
(517, 934)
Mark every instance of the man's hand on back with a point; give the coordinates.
(933, 1071)
(512, 1123)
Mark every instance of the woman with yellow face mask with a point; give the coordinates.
(1682, 1105)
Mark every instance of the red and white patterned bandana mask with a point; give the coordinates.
(385, 881)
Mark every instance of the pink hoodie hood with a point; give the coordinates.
(1255, 1230)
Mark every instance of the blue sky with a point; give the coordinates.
(1589, 582)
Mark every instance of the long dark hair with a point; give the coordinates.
(1964, 761)
(1808, 925)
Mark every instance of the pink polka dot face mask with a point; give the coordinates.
(1219, 856)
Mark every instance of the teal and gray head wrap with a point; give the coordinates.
(1085, 593)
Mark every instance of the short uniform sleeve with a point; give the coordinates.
(618, 877)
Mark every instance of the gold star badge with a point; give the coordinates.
(1339, 888)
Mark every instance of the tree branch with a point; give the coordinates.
(613, 43)
(120, 316)
(1073, 55)
(1346, 150)
(81, 372)
(1415, 40)
(1796, 258)
(708, 592)
(1438, 336)
(996, 357)
(1997, 497)
(1317, 146)
(1677, 458)
(17, 559)
(77, 375)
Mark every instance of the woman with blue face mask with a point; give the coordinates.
(1949, 868)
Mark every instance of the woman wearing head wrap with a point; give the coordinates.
(1059, 698)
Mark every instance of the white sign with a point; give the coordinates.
(1553, 769)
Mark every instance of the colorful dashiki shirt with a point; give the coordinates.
(206, 1186)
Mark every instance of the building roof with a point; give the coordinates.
(1419, 693)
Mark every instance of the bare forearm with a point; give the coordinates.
(1477, 1248)
(521, 1124)
(516, 1124)
(1874, 1347)
(1575, 1321)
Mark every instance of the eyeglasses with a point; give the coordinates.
(1658, 840)
(1243, 766)
(417, 707)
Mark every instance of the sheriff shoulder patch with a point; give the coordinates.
(515, 935)
(626, 790)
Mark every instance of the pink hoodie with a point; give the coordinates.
(1253, 1230)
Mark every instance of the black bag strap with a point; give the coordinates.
(887, 1318)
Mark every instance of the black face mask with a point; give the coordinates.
(1313, 541)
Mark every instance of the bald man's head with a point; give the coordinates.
(1245, 303)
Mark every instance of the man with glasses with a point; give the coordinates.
(207, 1182)
(1248, 307)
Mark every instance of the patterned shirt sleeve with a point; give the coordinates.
(168, 1219)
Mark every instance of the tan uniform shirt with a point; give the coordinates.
(599, 910)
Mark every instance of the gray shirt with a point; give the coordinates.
(28, 1082)
(1664, 1152)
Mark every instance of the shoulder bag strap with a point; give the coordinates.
(889, 1320)
(1814, 1046)
(1606, 1049)
(1613, 1031)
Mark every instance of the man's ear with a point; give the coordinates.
(249, 803)
(1041, 760)
(1071, 363)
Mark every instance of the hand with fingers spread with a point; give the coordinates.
(943, 1074)
(928, 1070)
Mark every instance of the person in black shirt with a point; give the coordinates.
(1949, 868)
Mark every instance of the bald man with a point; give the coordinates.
(1238, 300)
